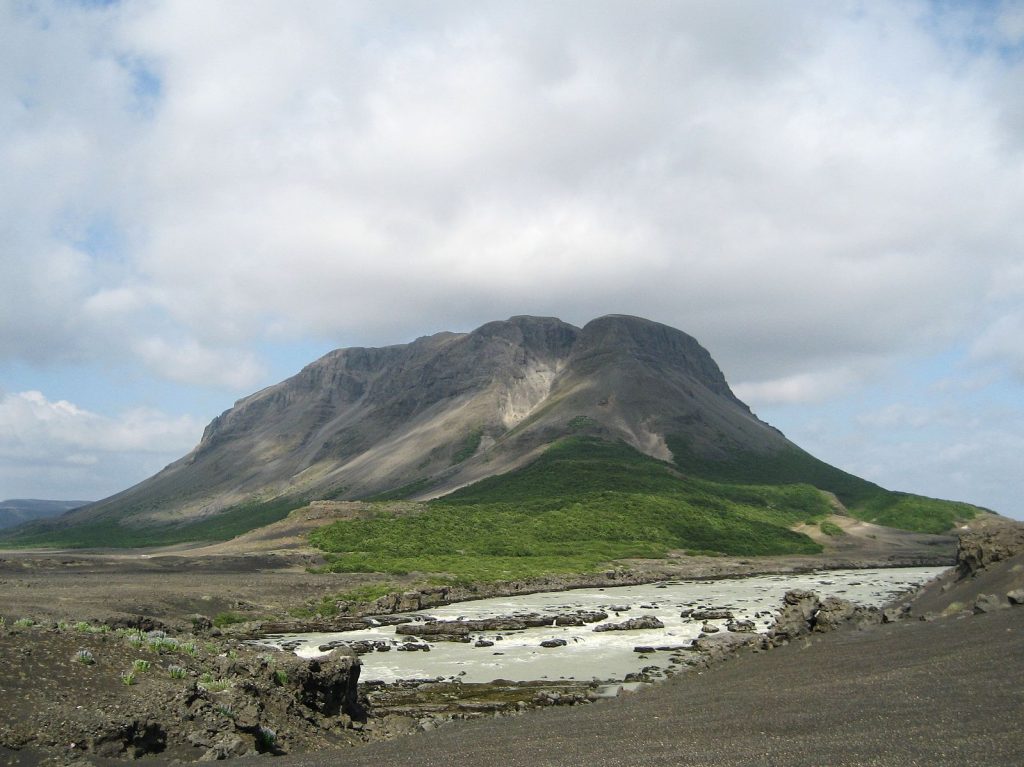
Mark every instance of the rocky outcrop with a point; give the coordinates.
(327, 685)
(980, 549)
(804, 612)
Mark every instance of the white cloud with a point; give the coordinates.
(54, 449)
(833, 179)
(191, 363)
(801, 388)
(816, 191)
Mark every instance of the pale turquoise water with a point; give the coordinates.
(609, 655)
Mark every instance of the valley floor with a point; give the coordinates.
(948, 692)
(944, 692)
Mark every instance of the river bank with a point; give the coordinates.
(230, 694)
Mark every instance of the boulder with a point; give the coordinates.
(832, 613)
(643, 622)
(979, 549)
(327, 685)
(712, 614)
(988, 603)
(1015, 597)
(741, 626)
(553, 643)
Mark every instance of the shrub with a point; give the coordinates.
(266, 739)
(228, 619)
(163, 644)
(831, 528)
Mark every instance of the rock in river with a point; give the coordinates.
(643, 622)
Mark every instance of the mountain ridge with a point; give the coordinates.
(423, 419)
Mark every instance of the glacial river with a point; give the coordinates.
(610, 655)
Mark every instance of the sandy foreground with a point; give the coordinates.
(948, 692)
(944, 691)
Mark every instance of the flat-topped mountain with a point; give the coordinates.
(423, 419)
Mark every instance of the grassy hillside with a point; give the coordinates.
(109, 533)
(864, 500)
(583, 503)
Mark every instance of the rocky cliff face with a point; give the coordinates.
(449, 409)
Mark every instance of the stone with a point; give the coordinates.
(225, 747)
(713, 614)
(979, 549)
(893, 614)
(832, 613)
(643, 622)
(741, 626)
(1015, 597)
(987, 603)
(553, 643)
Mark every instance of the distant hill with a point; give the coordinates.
(424, 419)
(18, 510)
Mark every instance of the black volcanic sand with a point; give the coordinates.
(948, 692)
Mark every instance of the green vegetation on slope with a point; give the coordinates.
(109, 533)
(583, 503)
(864, 500)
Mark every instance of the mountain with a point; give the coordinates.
(423, 419)
(16, 511)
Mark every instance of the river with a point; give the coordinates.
(603, 656)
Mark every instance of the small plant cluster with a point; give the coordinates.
(24, 623)
(228, 619)
(208, 682)
(84, 627)
(177, 672)
(830, 528)
(266, 739)
(85, 657)
(159, 642)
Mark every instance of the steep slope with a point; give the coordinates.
(420, 420)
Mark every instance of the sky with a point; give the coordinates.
(197, 199)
